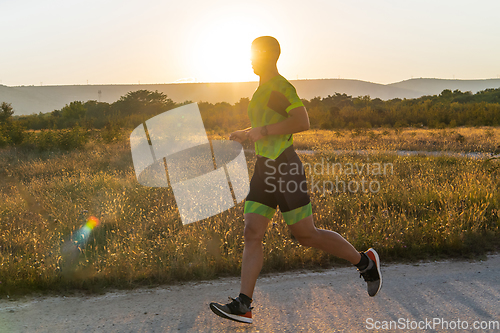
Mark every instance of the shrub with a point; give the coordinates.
(111, 132)
(74, 138)
(15, 132)
(4, 140)
(46, 140)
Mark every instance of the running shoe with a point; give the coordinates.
(372, 274)
(234, 310)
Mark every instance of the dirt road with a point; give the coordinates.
(459, 292)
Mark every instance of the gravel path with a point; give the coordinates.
(458, 292)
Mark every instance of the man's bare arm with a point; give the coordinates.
(240, 135)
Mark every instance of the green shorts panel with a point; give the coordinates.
(258, 208)
(294, 216)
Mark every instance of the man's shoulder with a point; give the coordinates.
(282, 82)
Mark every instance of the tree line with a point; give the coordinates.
(448, 109)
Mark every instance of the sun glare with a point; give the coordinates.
(222, 50)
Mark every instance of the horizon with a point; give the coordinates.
(249, 81)
(132, 42)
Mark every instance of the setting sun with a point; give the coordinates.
(221, 50)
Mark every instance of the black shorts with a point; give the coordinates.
(281, 182)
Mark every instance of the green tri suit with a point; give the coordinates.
(279, 178)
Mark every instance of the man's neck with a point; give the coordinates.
(268, 75)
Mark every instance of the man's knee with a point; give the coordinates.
(253, 233)
(255, 228)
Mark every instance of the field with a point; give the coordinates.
(464, 139)
(424, 207)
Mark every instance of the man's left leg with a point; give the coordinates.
(331, 242)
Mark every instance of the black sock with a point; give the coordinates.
(363, 263)
(245, 299)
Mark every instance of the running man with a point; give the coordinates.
(276, 112)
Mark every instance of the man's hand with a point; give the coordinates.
(239, 136)
(255, 134)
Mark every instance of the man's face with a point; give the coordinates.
(259, 60)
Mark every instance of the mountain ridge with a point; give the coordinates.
(35, 99)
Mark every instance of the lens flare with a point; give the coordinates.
(83, 234)
(71, 249)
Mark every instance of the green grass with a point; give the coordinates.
(429, 207)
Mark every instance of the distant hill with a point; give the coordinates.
(436, 86)
(35, 99)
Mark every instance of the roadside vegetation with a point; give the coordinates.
(54, 178)
(426, 208)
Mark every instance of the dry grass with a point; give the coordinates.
(463, 139)
(428, 207)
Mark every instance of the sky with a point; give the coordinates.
(54, 42)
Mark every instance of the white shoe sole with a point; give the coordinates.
(230, 316)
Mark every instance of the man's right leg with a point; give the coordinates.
(253, 257)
